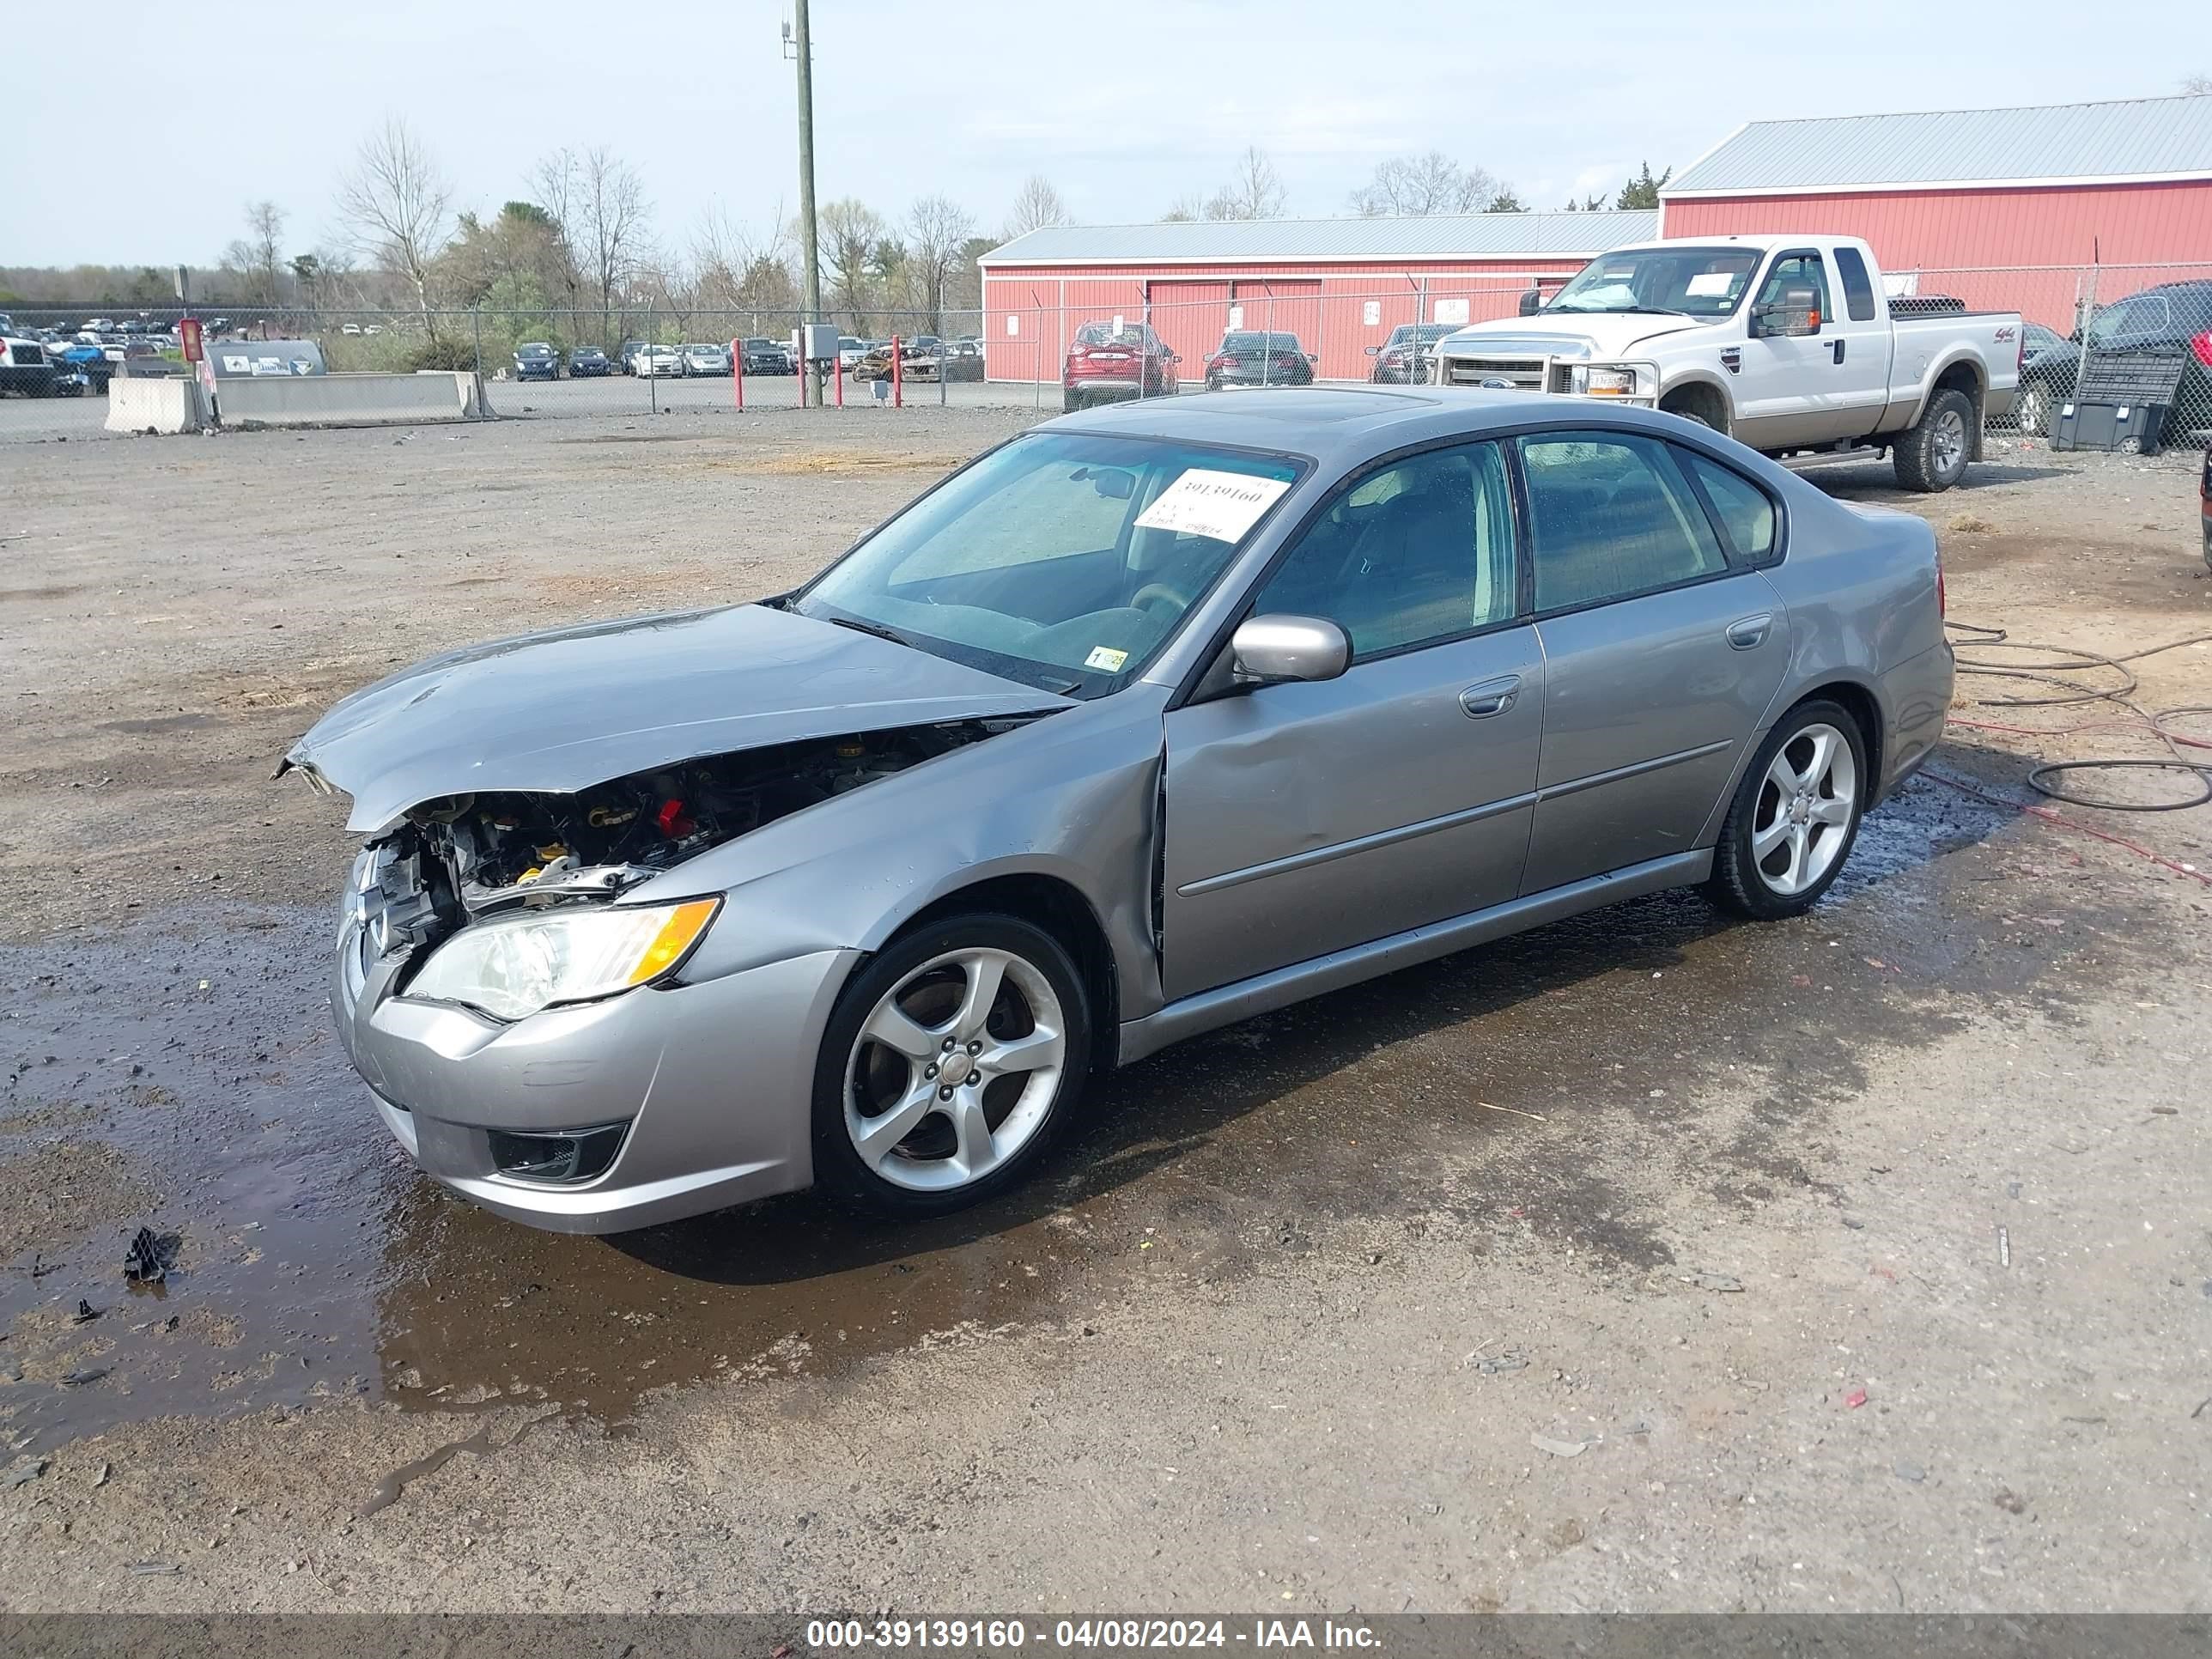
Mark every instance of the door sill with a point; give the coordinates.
(1279, 988)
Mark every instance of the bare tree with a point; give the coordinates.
(1186, 207)
(1035, 206)
(1256, 190)
(937, 233)
(2197, 83)
(1416, 187)
(851, 234)
(394, 203)
(610, 213)
(553, 181)
(264, 241)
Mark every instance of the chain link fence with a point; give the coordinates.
(1047, 343)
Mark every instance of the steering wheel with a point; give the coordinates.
(1160, 593)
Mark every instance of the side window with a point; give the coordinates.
(1858, 287)
(1797, 275)
(1610, 517)
(1746, 511)
(1411, 555)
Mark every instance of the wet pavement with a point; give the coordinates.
(1540, 1095)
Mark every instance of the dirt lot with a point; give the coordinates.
(1857, 1262)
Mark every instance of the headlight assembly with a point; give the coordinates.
(1605, 382)
(518, 965)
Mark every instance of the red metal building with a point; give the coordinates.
(2039, 208)
(1341, 285)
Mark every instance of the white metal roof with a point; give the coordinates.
(1475, 235)
(2135, 141)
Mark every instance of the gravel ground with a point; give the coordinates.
(1646, 1263)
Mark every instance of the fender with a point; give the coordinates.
(1711, 379)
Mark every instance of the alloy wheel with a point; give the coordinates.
(1806, 803)
(955, 1069)
(1950, 444)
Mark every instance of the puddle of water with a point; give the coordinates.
(195, 1055)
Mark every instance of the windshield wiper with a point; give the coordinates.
(876, 628)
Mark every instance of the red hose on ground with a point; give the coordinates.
(2050, 816)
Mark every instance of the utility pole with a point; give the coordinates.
(801, 44)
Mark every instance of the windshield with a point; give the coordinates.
(1063, 560)
(1419, 333)
(1253, 340)
(1107, 334)
(1688, 281)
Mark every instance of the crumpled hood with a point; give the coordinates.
(563, 710)
(1600, 336)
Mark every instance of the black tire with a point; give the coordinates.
(1932, 455)
(839, 1169)
(2032, 412)
(1738, 884)
(1070, 402)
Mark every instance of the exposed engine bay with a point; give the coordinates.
(457, 858)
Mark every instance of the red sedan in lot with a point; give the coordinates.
(1105, 363)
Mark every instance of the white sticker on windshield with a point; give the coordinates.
(1106, 658)
(1712, 284)
(1205, 502)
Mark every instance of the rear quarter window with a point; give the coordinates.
(1746, 512)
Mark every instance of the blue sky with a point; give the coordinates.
(1125, 107)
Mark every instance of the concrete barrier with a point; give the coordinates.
(138, 404)
(347, 400)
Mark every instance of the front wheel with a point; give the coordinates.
(1932, 455)
(2031, 413)
(1794, 817)
(949, 1062)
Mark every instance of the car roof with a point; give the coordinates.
(1340, 426)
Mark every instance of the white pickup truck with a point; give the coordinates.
(1788, 343)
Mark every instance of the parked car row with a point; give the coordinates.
(2169, 317)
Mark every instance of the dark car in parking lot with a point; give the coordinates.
(588, 363)
(766, 356)
(1259, 357)
(2161, 319)
(1105, 363)
(626, 355)
(1403, 359)
(537, 361)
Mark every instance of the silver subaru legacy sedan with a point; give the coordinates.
(1147, 720)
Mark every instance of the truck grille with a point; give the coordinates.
(1522, 374)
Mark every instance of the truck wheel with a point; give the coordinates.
(1932, 456)
(2032, 412)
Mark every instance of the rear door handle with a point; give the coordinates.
(1749, 633)
(1480, 702)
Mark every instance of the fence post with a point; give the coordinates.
(738, 372)
(652, 381)
(475, 318)
(898, 382)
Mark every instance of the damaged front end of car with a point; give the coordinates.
(502, 862)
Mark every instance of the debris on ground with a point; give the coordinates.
(1854, 1399)
(85, 1314)
(101, 1479)
(1559, 1448)
(150, 1258)
(1908, 1471)
(150, 1569)
(77, 1379)
(1712, 1281)
(24, 1473)
(2010, 1501)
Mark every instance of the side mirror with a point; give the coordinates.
(1785, 322)
(1375, 352)
(1532, 301)
(1265, 650)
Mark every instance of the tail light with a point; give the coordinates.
(1077, 353)
(1220, 360)
(2202, 345)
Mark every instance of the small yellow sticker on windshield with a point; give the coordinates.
(1106, 658)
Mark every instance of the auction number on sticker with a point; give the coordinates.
(892, 1634)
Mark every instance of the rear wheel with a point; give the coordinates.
(1932, 455)
(1795, 815)
(2031, 413)
(949, 1062)
(1070, 401)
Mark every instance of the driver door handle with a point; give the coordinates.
(1492, 697)
(1749, 632)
